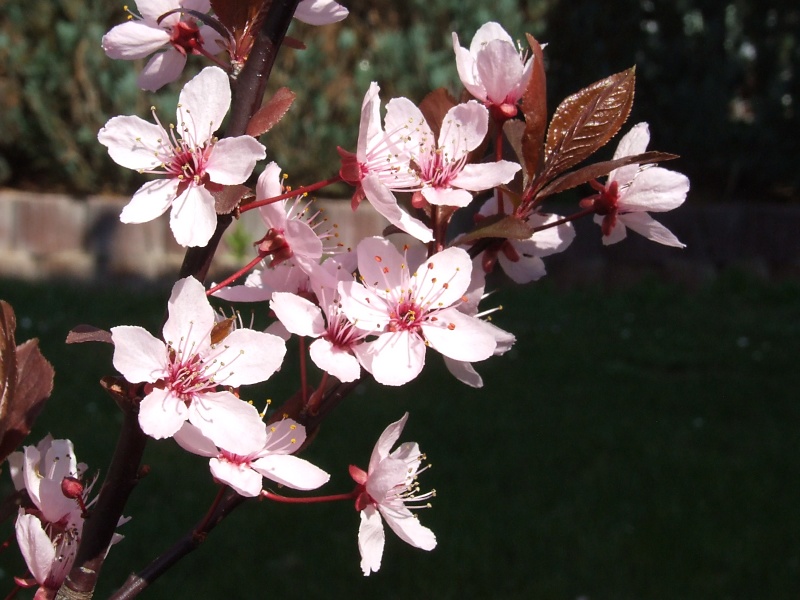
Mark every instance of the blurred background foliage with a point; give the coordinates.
(716, 79)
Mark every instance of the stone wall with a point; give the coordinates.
(52, 235)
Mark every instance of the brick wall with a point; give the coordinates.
(52, 235)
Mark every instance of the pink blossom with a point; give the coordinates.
(177, 34)
(443, 176)
(381, 164)
(243, 471)
(389, 489)
(337, 347)
(192, 159)
(410, 309)
(260, 284)
(493, 70)
(631, 191)
(522, 259)
(48, 534)
(320, 12)
(187, 370)
(291, 227)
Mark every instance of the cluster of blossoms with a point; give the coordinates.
(49, 530)
(375, 309)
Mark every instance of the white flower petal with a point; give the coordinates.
(298, 315)
(134, 39)
(191, 439)
(188, 327)
(320, 12)
(477, 177)
(241, 478)
(645, 225)
(37, 549)
(407, 527)
(138, 355)
(134, 143)
(203, 104)
(655, 189)
(464, 127)
(337, 361)
(371, 539)
(397, 357)
(384, 201)
(161, 414)
(464, 372)
(150, 201)
(291, 471)
(460, 336)
(232, 160)
(246, 357)
(193, 218)
(232, 424)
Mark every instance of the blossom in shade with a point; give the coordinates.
(522, 259)
(444, 177)
(493, 69)
(337, 347)
(187, 369)
(388, 490)
(243, 471)
(410, 308)
(381, 165)
(320, 12)
(194, 161)
(172, 38)
(631, 191)
(48, 533)
(291, 227)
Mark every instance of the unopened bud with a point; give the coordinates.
(72, 488)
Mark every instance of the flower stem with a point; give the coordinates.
(292, 193)
(236, 275)
(572, 217)
(309, 500)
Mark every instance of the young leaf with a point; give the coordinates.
(229, 197)
(593, 171)
(499, 226)
(586, 120)
(237, 14)
(271, 113)
(534, 107)
(88, 333)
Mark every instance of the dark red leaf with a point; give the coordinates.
(593, 171)
(534, 107)
(499, 226)
(586, 120)
(229, 197)
(26, 381)
(88, 333)
(236, 15)
(273, 111)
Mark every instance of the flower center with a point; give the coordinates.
(406, 316)
(185, 38)
(188, 378)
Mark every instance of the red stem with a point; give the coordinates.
(316, 397)
(292, 193)
(310, 500)
(203, 527)
(572, 217)
(236, 275)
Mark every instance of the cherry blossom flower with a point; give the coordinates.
(194, 162)
(320, 12)
(410, 309)
(260, 284)
(244, 471)
(443, 176)
(337, 347)
(381, 164)
(631, 191)
(389, 489)
(290, 228)
(187, 370)
(493, 70)
(522, 259)
(48, 534)
(177, 34)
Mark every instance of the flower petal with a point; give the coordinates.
(138, 355)
(134, 143)
(246, 357)
(459, 336)
(291, 471)
(161, 414)
(165, 67)
(193, 218)
(384, 201)
(463, 129)
(232, 160)
(645, 225)
(500, 71)
(241, 478)
(396, 357)
(477, 177)
(188, 327)
(203, 104)
(232, 424)
(339, 362)
(407, 527)
(191, 439)
(320, 12)
(298, 315)
(150, 201)
(655, 189)
(371, 539)
(36, 547)
(133, 39)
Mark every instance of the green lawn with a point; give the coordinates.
(636, 443)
